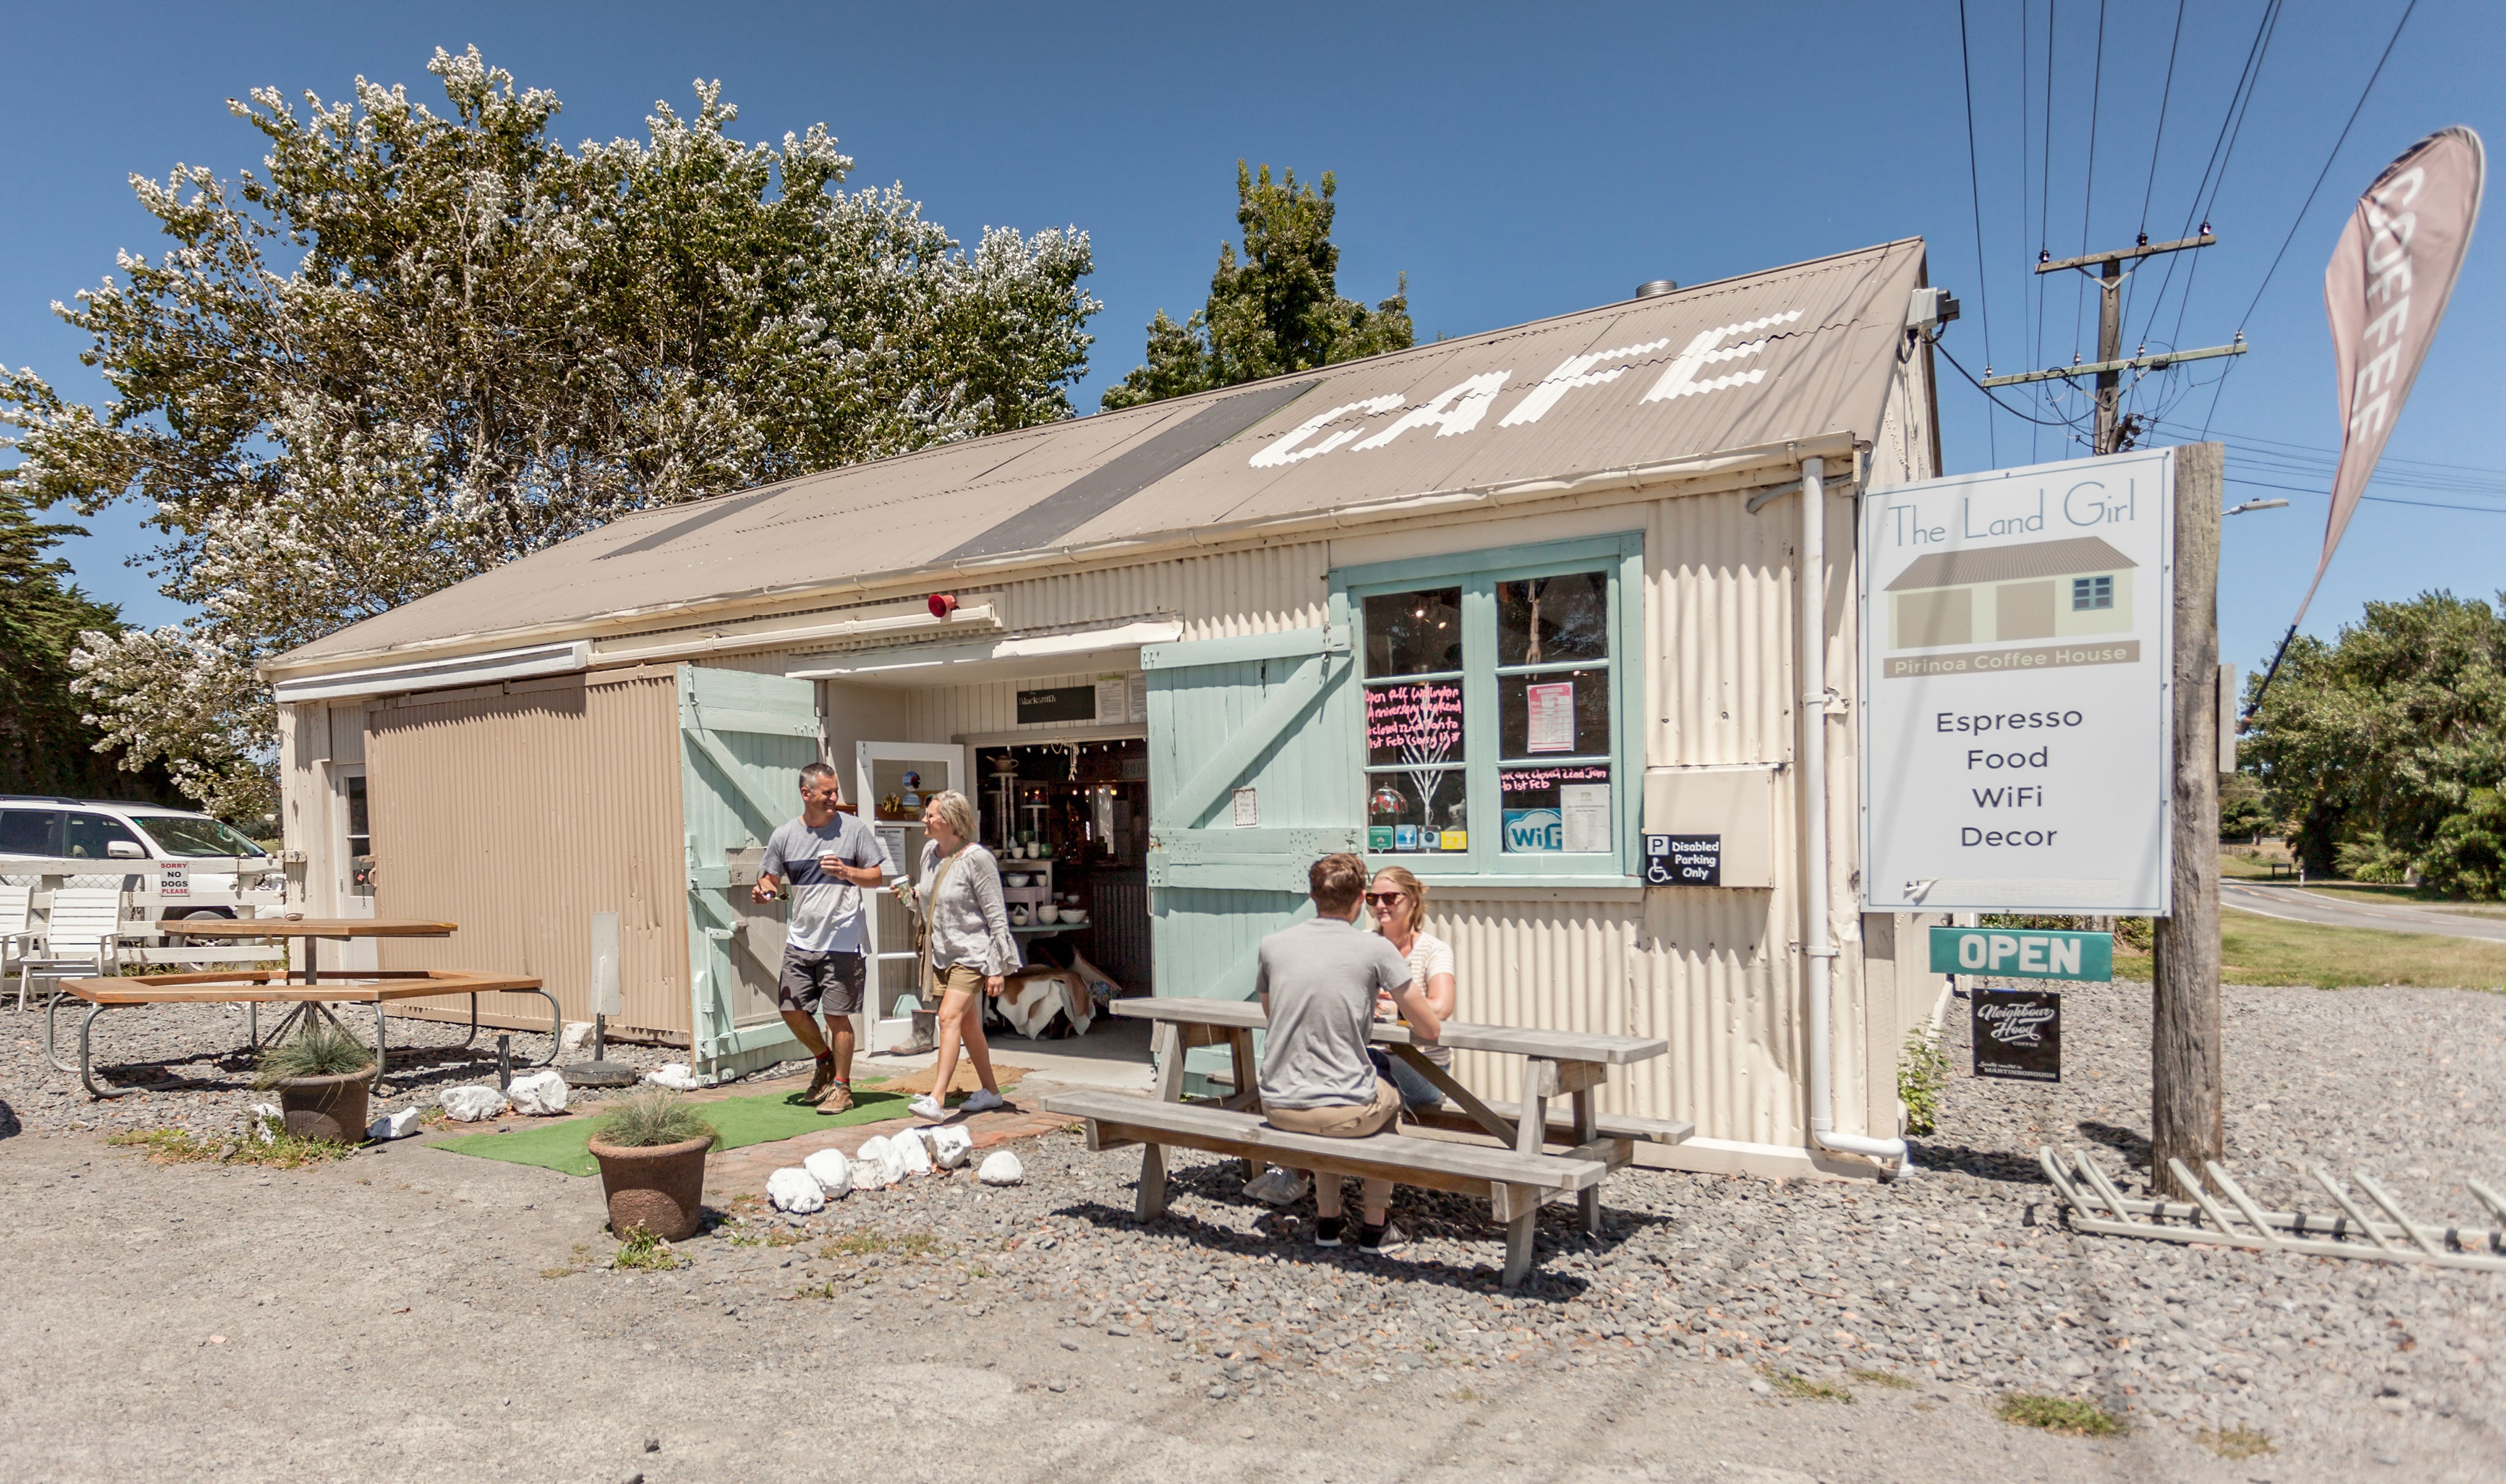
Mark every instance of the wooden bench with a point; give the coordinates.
(257, 987)
(1515, 1176)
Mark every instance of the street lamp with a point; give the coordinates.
(2254, 505)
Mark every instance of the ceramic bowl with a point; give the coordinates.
(1047, 913)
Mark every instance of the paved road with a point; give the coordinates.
(2296, 905)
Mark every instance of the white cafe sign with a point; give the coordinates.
(2015, 712)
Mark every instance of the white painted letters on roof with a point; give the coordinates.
(1572, 372)
(1286, 451)
(1458, 410)
(1680, 381)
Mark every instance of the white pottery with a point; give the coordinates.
(1017, 915)
(1047, 913)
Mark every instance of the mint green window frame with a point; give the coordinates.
(1478, 574)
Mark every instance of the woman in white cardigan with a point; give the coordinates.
(969, 948)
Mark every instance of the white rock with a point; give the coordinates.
(913, 1147)
(1001, 1168)
(394, 1125)
(472, 1104)
(538, 1093)
(795, 1189)
(869, 1169)
(950, 1146)
(831, 1171)
(672, 1074)
(575, 1032)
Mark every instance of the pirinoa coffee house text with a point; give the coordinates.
(1523, 612)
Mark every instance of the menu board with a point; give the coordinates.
(1551, 726)
(1418, 723)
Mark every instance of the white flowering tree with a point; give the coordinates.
(487, 343)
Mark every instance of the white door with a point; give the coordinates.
(352, 863)
(909, 773)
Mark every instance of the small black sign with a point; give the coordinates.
(1062, 703)
(2018, 1033)
(1683, 859)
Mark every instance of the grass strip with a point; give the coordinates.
(2071, 1416)
(2254, 949)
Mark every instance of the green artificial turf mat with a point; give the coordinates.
(567, 1147)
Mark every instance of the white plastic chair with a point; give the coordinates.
(16, 907)
(82, 935)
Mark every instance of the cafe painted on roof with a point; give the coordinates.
(1496, 609)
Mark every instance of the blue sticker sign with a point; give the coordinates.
(1534, 830)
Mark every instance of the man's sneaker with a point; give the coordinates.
(839, 1098)
(824, 1079)
(1327, 1231)
(927, 1107)
(1388, 1237)
(1278, 1186)
(983, 1100)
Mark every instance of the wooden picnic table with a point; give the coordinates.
(1557, 1064)
(256, 987)
(312, 930)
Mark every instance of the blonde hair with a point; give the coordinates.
(1409, 886)
(953, 807)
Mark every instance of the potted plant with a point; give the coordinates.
(320, 1075)
(652, 1149)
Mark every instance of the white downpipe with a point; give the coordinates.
(1816, 946)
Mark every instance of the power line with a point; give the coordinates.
(2430, 504)
(2072, 424)
(2043, 190)
(2165, 95)
(1975, 198)
(2319, 177)
(2236, 100)
(2089, 195)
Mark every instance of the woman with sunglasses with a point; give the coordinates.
(1398, 901)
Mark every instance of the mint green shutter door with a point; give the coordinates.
(743, 740)
(1272, 713)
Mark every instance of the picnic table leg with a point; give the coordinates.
(1539, 1074)
(1248, 1092)
(557, 1024)
(50, 1007)
(1165, 1049)
(1519, 1207)
(1588, 1127)
(86, 1066)
(378, 1083)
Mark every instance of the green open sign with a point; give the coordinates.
(2015, 953)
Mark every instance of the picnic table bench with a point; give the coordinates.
(1516, 1175)
(258, 987)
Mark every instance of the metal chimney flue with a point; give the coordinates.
(1655, 288)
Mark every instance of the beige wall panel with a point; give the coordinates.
(1719, 629)
(519, 812)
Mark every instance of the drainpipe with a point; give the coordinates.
(1816, 948)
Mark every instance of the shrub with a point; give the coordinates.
(320, 1047)
(651, 1119)
(2058, 1414)
(2367, 858)
(1922, 1077)
(2468, 857)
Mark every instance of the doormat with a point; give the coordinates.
(964, 1081)
(565, 1147)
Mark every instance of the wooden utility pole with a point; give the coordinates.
(2111, 363)
(2186, 1119)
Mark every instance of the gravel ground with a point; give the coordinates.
(1944, 1290)
(191, 1060)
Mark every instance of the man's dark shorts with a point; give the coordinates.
(811, 980)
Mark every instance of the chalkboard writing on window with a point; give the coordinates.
(1415, 723)
(1062, 703)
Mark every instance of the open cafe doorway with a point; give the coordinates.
(1070, 824)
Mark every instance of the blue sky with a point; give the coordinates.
(1515, 162)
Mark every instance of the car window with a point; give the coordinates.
(30, 832)
(190, 834)
(85, 835)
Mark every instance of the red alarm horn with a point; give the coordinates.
(942, 605)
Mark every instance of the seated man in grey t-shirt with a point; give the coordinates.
(1319, 982)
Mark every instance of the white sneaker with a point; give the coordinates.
(927, 1107)
(1278, 1186)
(983, 1100)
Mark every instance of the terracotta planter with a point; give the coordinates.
(332, 1109)
(661, 1188)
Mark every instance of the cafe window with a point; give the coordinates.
(1496, 694)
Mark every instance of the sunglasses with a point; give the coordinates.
(1385, 898)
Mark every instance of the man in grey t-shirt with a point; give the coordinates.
(1319, 982)
(828, 858)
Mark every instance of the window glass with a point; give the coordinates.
(1565, 713)
(1544, 620)
(1560, 810)
(361, 839)
(185, 834)
(1414, 633)
(85, 835)
(30, 832)
(1420, 809)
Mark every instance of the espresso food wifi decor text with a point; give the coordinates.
(2018, 1034)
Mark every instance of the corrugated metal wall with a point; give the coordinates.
(519, 811)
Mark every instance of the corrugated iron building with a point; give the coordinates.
(592, 728)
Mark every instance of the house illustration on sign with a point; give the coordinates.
(2045, 590)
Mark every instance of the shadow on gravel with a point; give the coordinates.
(2131, 1143)
(1428, 1215)
(2006, 1165)
(9, 1127)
